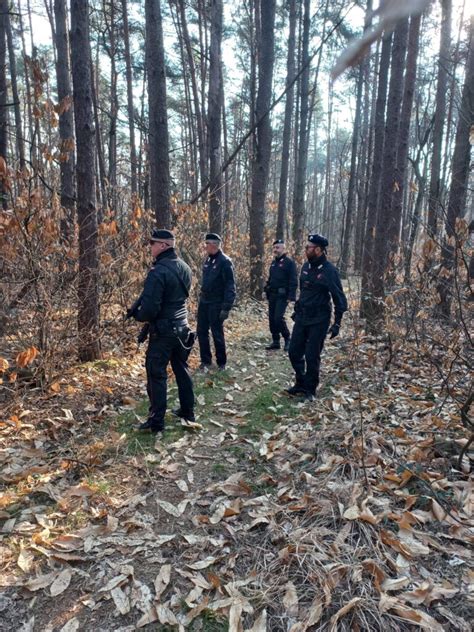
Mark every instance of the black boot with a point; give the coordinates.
(274, 345)
(177, 412)
(295, 391)
(286, 348)
(152, 426)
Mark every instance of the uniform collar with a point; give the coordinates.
(170, 252)
(280, 257)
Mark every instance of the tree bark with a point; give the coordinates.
(20, 143)
(157, 113)
(261, 158)
(434, 201)
(460, 167)
(3, 102)
(387, 180)
(66, 119)
(302, 161)
(130, 108)
(88, 288)
(285, 151)
(214, 114)
(372, 205)
(393, 231)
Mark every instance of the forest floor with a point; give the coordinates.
(348, 513)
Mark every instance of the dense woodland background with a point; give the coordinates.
(257, 119)
(119, 115)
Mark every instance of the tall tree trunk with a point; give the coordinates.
(214, 114)
(400, 173)
(300, 176)
(261, 159)
(200, 127)
(344, 260)
(29, 99)
(327, 173)
(434, 195)
(66, 120)
(3, 102)
(20, 143)
(387, 181)
(285, 151)
(114, 107)
(130, 108)
(88, 287)
(460, 167)
(103, 203)
(157, 113)
(374, 189)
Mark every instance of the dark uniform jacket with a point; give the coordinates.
(282, 279)
(218, 282)
(319, 282)
(164, 295)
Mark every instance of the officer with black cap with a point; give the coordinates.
(162, 305)
(319, 283)
(215, 302)
(280, 290)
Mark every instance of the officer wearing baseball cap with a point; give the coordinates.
(280, 290)
(319, 283)
(162, 305)
(215, 302)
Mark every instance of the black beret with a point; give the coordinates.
(213, 237)
(318, 240)
(278, 241)
(157, 235)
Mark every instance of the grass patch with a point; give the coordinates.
(265, 410)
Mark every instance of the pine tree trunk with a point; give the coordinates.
(66, 119)
(285, 151)
(214, 114)
(344, 260)
(434, 197)
(460, 167)
(130, 108)
(200, 127)
(374, 189)
(20, 143)
(261, 159)
(88, 287)
(403, 136)
(300, 176)
(3, 101)
(157, 113)
(387, 180)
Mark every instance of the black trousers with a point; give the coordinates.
(208, 318)
(276, 317)
(307, 342)
(161, 351)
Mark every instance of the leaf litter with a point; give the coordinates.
(316, 522)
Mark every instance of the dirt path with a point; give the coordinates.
(264, 520)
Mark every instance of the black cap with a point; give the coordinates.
(318, 240)
(278, 241)
(213, 237)
(158, 235)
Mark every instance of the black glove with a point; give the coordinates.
(223, 315)
(143, 335)
(334, 330)
(129, 313)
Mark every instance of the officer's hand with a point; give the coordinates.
(223, 315)
(129, 313)
(334, 330)
(293, 316)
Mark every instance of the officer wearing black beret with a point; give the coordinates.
(280, 290)
(162, 305)
(319, 283)
(216, 300)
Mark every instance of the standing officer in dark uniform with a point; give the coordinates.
(280, 290)
(319, 282)
(216, 301)
(162, 305)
